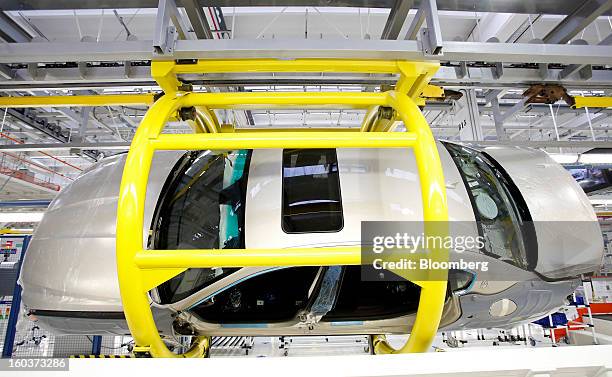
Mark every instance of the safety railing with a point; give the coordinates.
(140, 270)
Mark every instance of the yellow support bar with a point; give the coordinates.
(74, 101)
(432, 91)
(286, 100)
(163, 73)
(413, 75)
(300, 129)
(322, 256)
(580, 102)
(139, 270)
(14, 232)
(208, 120)
(289, 139)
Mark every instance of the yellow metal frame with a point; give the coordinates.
(140, 270)
(7, 231)
(580, 102)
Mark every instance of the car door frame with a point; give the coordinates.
(244, 274)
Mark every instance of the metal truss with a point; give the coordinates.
(507, 6)
(465, 65)
(484, 64)
(77, 101)
(60, 52)
(119, 146)
(449, 76)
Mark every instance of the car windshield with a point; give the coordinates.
(499, 208)
(201, 207)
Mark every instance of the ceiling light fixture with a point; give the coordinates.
(21, 217)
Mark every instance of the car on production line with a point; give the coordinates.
(525, 205)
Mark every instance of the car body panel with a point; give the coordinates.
(70, 264)
(562, 214)
(375, 184)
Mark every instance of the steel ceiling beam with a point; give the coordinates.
(522, 29)
(580, 68)
(76, 51)
(507, 6)
(197, 18)
(583, 126)
(526, 53)
(421, 15)
(6, 73)
(396, 19)
(76, 117)
(579, 19)
(580, 123)
(11, 32)
(288, 49)
(31, 120)
(78, 100)
(43, 126)
(65, 146)
(57, 78)
(561, 34)
(165, 34)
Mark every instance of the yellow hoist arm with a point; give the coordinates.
(140, 270)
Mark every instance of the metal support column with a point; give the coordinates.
(431, 41)
(584, 70)
(472, 129)
(80, 136)
(165, 34)
(574, 23)
(396, 19)
(11, 328)
(498, 119)
(198, 20)
(11, 32)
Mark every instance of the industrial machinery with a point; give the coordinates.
(213, 232)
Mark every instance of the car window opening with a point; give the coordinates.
(311, 191)
(201, 207)
(500, 210)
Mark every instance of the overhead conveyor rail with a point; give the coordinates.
(141, 270)
(76, 101)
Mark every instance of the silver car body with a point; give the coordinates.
(70, 265)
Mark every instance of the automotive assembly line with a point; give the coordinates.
(414, 186)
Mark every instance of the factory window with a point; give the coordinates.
(311, 191)
(201, 207)
(501, 212)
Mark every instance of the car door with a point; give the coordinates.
(362, 300)
(276, 295)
